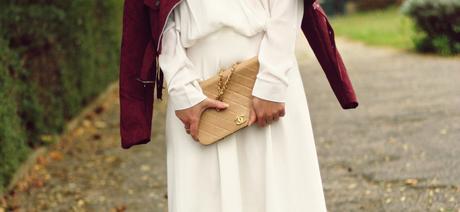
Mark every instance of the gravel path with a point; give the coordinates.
(396, 152)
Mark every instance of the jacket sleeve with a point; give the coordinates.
(182, 83)
(277, 50)
(136, 99)
(320, 36)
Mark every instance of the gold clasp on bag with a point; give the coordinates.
(241, 119)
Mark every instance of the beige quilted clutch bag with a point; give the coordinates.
(233, 86)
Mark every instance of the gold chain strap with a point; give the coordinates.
(222, 85)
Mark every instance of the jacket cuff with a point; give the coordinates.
(271, 91)
(187, 96)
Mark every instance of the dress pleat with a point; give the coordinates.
(257, 169)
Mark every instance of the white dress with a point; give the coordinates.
(269, 169)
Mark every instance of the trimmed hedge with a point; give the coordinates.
(55, 57)
(440, 23)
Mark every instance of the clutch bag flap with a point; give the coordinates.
(215, 125)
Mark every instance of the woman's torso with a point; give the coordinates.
(198, 18)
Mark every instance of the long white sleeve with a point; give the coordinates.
(277, 50)
(182, 84)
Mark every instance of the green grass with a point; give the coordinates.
(387, 27)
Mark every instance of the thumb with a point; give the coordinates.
(213, 103)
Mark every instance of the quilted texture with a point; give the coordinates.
(216, 125)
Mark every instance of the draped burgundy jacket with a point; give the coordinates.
(143, 24)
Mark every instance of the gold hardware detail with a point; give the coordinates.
(241, 119)
(222, 85)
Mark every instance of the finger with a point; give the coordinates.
(276, 117)
(252, 116)
(267, 122)
(187, 127)
(261, 120)
(269, 119)
(194, 130)
(282, 113)
(219, 105)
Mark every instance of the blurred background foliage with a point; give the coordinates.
(384, 27)
(55, 57)
(439, 24)
(364, 5)
(419, 25)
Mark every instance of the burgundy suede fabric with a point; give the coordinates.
(320, 36)
(143, 22)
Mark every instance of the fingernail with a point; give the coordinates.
(226, 104)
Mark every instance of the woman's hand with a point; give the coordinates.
(191, 116)
(265, 111)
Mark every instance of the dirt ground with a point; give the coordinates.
(398, 151)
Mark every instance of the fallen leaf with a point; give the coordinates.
(2, 202)
(443, 131)
(22, 185)
(79, 131)
(47, 138)
(145, 167)
(56, 155)
(120, 208)
(38, 183)
(100, 124)
(37, 167)
(411, 182)
(110, 159)
(403, 198)
(89, 117)
(97, 136)
(41, 160)
(86, 123)
(352, 186)
(99, 109)
(388, 201)
(391, 140)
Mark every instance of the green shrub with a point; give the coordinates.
(440, 23)
(56, 56)
(374, 4)
(13, 147)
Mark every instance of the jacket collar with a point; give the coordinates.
(153, 4)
